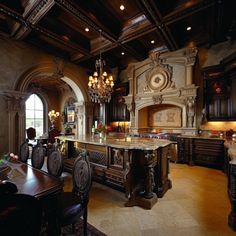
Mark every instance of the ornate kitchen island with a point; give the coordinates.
(137, 166)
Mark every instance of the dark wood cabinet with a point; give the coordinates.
(117, 109)
(208, 152)
(219, 90)
(184, 147)
(201, 151)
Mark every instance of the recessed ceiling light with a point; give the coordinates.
(152, 41)
(86, 29)
(66, 38)
(122, 53)
(122, 7)
(189, 28)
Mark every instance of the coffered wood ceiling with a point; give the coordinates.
(58, 26)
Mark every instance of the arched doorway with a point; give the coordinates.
(54, 88)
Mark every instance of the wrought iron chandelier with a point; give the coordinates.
(100, 85)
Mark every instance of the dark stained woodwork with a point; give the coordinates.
(57, 26)
(141, 174)
(207, 152)
(232, 195)
(32, 181)
(219, 89)
(117, 109)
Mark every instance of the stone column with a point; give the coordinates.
(16, 118)
(191, 111)
(81, 118)
(189, 75)
(190, 61)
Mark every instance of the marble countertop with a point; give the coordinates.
(126, 142)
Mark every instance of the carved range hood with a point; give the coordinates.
(161, 93)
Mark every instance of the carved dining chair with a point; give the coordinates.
(73, 205)
(38, 156)
(20, 214)
(24, 152)
(55, 163)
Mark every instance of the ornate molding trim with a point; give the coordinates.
(15, 100)
(157, 99)
(159, 77)
(40, 10)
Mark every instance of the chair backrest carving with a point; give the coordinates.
(82, 177)
(55, 163)
(38, 154)
(24, 152)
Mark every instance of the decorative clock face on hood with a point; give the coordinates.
(156, 81)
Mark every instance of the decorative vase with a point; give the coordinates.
(102, 135)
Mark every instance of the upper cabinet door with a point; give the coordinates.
(117, 107)
(219, 91)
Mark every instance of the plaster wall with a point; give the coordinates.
(20, 62)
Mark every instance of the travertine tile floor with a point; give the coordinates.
(197, 205)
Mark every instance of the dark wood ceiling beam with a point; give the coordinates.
(137, 34)
(78, 14)
(180, 14)
(55, 37)
(149, 8)
(20, 22)
(34, 11)
(17, 17)
(133, 52)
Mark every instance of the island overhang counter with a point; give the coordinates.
(137, 166)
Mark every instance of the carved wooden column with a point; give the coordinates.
(127, 176)
(150, 159)
(142, 168)
(232, 194)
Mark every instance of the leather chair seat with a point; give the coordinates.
(69, 208)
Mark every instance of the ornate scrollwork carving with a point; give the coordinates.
(159, 76)
(190, 102)
(157, 99)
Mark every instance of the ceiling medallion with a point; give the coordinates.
(100, 85)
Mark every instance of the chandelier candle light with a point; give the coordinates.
(52, 117)
(100, 84)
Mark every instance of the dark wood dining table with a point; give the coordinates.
(36, 183)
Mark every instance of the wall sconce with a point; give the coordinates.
(52, 117)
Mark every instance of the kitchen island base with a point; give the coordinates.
(139, 167)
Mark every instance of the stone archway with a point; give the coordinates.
(16, 99)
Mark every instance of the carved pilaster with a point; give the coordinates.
(80, 113)
(15, 108)
(190, 110)
(149, 186)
